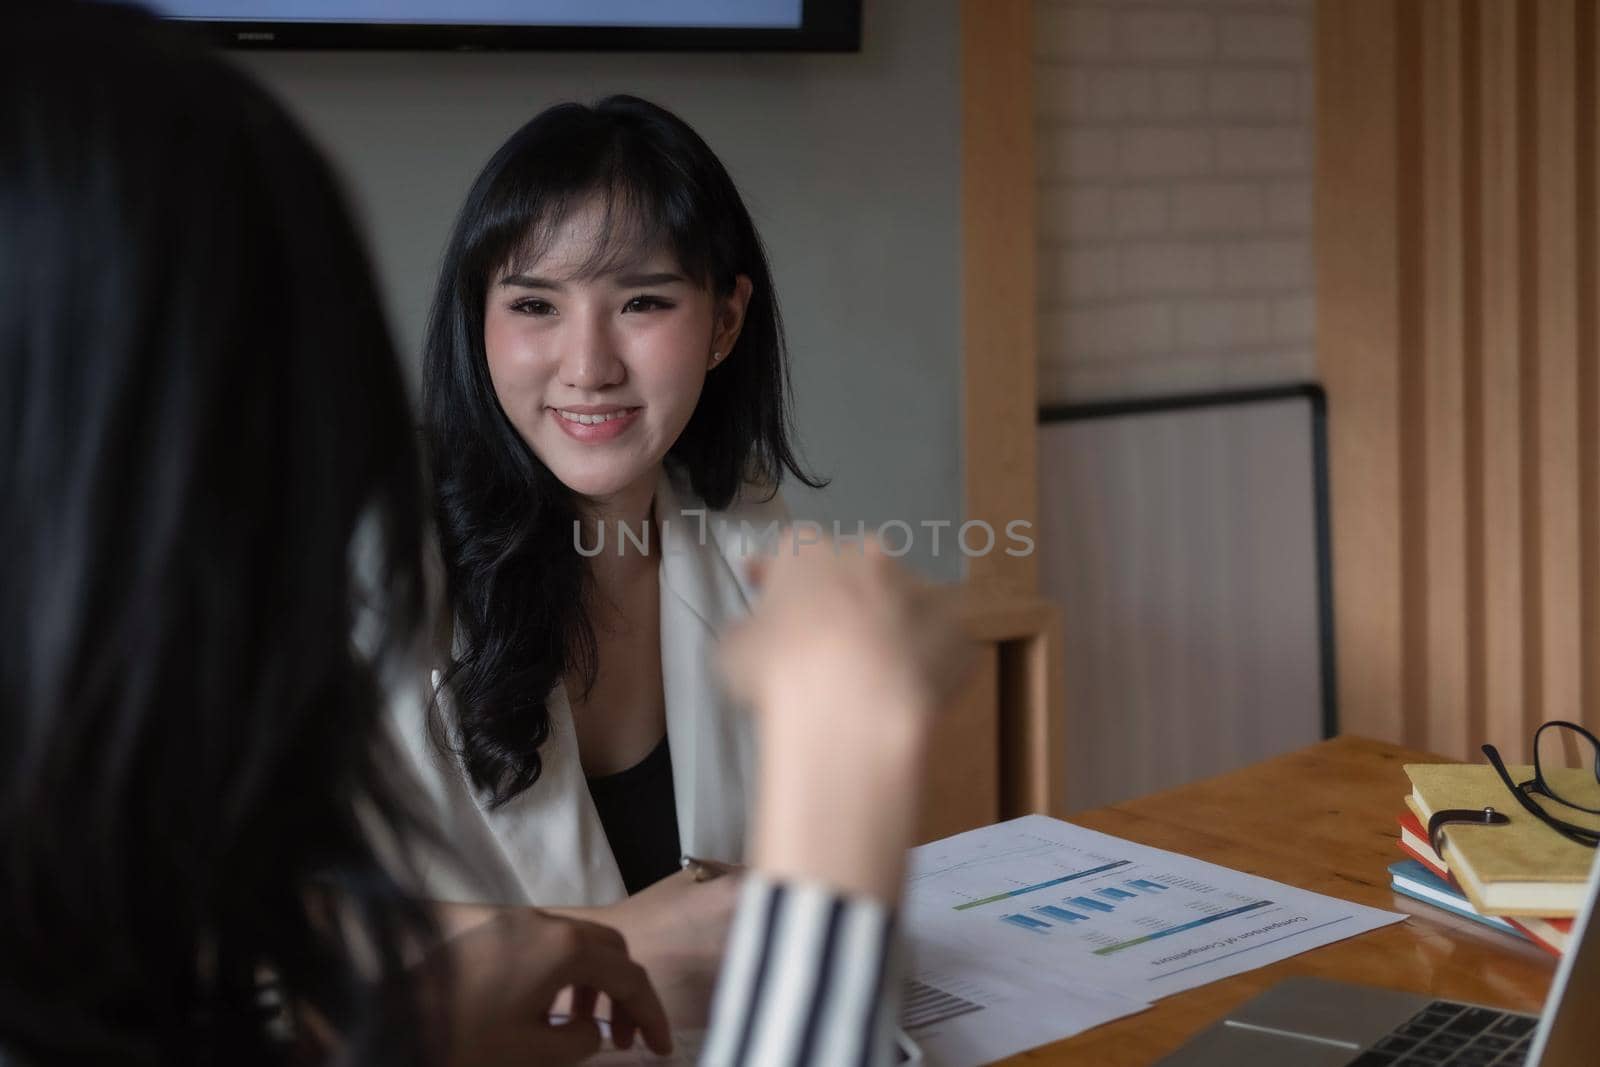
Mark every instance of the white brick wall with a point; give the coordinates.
(1175, 168)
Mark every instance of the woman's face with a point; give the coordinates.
(601, 374)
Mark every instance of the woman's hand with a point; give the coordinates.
(677, 929)
(847, 621)
(844, 661)
(506, 972)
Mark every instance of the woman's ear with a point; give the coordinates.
(730, 319)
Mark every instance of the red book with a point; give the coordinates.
(1414, 843)
(1552, 935)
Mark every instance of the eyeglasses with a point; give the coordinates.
(1566, 763)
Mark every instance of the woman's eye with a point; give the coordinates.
(532, 306)
(646, 303)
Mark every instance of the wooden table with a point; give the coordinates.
(1323, 819)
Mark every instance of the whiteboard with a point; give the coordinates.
(1186, 546)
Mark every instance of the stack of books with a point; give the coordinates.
(1522, 878)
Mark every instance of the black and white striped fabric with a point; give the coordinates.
(808, 978)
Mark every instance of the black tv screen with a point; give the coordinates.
(653, 25)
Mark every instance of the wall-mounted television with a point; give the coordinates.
(605, 25)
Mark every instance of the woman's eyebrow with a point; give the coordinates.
(637, 281)
(622, 281)
(528, 281)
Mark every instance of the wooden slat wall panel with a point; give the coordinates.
(1440, 407)
(1588, 161)
(1473, 456)
(1498, 281)
(999, 229)
(1557, 292)
(1459, 277)
(1357, 251)
(1530, 619)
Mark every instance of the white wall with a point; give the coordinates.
(850, 164)
(1175, 141)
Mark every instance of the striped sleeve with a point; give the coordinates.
(808, 978)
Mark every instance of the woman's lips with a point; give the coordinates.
(592, 424)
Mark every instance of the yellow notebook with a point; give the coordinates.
(1520, 868)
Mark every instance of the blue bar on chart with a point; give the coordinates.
(1147, 885)
(1090, 903)
(1115, 894)
(1026, 923)
(1060, 913)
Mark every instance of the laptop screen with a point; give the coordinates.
(1569, 1029)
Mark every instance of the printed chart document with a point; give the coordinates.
(961, 1011)
(1044, 903)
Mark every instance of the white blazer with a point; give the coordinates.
(547, 846)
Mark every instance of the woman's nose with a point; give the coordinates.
(590, 360)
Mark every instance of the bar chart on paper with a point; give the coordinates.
(1145, 922)
(1099, 903)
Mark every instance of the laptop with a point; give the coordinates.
(1312, 1022)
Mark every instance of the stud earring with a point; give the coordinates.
(715, 356)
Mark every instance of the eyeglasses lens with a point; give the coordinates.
(1567, 762)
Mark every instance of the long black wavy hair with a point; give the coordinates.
(210, 478)
(516, 585)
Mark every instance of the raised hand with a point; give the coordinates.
(844, 661)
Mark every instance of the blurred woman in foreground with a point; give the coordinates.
(211, 583)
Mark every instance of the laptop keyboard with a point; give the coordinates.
(1456, 1034)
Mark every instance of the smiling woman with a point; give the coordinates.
(604, 380)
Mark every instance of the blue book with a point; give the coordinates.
(1410, 878)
